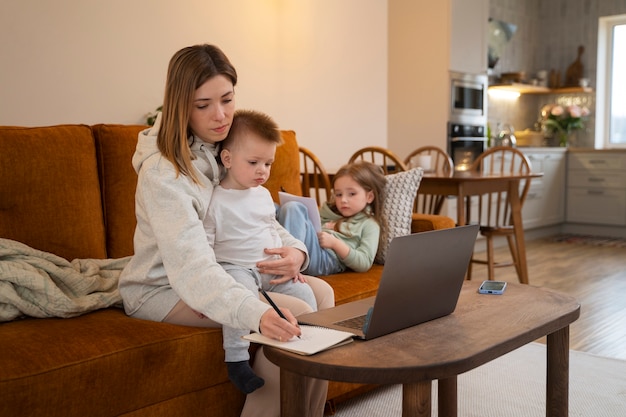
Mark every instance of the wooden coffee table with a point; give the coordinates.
(482, 328)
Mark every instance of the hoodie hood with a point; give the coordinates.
(205, 154)
(146, 144)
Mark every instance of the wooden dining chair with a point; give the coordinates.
(434, 161)
(391, 163)
(494, 209)
(313, 177)
(385, 158)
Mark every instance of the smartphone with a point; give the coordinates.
(492, 287)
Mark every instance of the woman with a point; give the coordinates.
(173, 276)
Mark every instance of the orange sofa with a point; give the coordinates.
(69, 190)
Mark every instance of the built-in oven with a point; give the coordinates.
(465, 143)
(468, 98)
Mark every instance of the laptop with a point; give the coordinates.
(421, 281)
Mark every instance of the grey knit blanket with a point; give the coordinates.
(40, 284)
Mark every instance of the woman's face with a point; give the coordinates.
(212, 109)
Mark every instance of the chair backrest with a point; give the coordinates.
(313, 177)
(386, 159)
(434, 161)
(494, 209)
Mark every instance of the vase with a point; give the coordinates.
(563, 137)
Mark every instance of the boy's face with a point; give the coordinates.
(248, 162)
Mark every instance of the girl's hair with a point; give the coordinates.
(372, 178)
(188, 69)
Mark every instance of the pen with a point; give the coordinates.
(274, 306)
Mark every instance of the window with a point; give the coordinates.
(611, 83)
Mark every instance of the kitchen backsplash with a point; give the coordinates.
(547, 38)
(524, 112)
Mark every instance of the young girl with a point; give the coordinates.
(351, 222)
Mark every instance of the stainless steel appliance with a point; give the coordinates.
(465, 143)
(468, 98)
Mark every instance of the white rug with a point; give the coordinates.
(515, 386)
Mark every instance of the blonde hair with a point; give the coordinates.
(372, 178)
(188, 69)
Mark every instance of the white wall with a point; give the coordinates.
(318, 67)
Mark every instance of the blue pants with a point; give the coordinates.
(293, 216)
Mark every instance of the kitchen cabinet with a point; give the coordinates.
(468, 36)
(545, 202)
(596, 188)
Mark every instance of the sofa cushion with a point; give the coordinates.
(49, 190)
(400, 193)
(285, 175)
(105, 363)
(115, 146)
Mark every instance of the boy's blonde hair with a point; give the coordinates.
(251, 121)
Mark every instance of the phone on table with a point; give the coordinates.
(492, 287)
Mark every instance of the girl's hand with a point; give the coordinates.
(326, 240)
(330, 241)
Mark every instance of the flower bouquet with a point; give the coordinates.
(562, 120)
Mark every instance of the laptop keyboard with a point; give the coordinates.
(353, 323)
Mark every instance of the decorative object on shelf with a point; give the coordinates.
(151, 117)
(506, 136)
(562, 120)
(575, 71)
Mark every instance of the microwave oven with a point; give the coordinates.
(468, 98)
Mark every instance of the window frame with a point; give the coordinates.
(604, 79)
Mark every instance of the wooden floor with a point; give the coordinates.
(596, 276)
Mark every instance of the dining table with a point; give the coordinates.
(465, 184)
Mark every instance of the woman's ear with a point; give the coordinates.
(225, 157)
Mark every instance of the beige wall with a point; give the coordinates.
(318, 67)
(419, 45)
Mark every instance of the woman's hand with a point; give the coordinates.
(275, 327)
(287, 267)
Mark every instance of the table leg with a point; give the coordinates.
(293, 394)
(516, 214)
(447, 397)
(416, 399)
(557, 381)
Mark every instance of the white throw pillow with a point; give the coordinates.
(400, 193)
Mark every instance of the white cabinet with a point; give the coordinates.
(468, 36)
(596, 188)
(545, 202)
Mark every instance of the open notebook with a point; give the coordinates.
(313, 340)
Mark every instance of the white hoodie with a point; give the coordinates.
(171, 247)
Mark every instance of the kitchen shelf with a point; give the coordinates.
(535, 89)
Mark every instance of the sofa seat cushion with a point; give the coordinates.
(352, 286)
(112, 363)
(49, 190)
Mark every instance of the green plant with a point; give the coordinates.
(152, 116)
